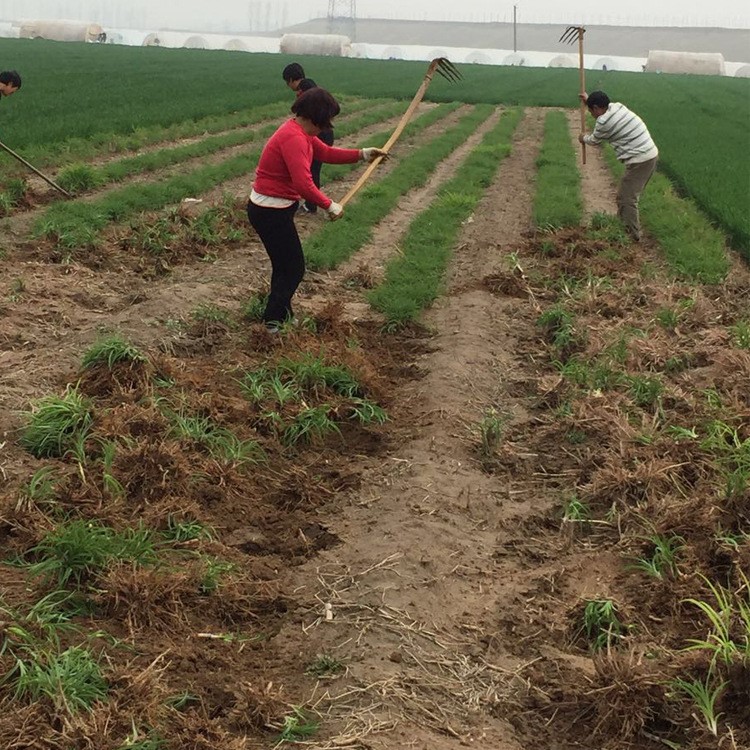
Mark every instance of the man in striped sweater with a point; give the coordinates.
(633, 146)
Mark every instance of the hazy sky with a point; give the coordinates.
(242, 16)
(735, 13)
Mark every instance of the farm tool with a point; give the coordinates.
(440, 65)
(35, 170)
(570, 35)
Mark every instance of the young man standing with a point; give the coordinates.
(633, 146)
(294, 76)
(10, 82)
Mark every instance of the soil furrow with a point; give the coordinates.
(410, 615)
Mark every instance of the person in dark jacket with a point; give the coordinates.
(294, 76)
(283, 178)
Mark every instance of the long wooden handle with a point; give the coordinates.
(395, 135)
(583, 91)
(35, 170)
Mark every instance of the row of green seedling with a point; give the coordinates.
(78, 224)
(413, 278)
(334, 244)
(79, 178)
(104, 144)
(693, 247)
(557, 198)
(218, 225)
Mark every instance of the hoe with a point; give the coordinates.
(35, 170)
(570, 35)
(445, 68)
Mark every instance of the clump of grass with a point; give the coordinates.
(213, 572)
(324, 666)
(311, 424)
(41, 488)
(663, 560)
(576, 511)
(646, 391)
(741, 334)
(79, 549)
(491, 430)
(207, 312)
(78, 178)
(704, 695)
(185, 530)
(609, 229)
(559, 327)
(252, 310)
(297, 726)
(368, 412)
(72, 680)
(219, 441)
(56, 423)
(314, 374)
(110, 351)
(728, 617)
(601, 624)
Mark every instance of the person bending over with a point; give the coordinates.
(633, 146)
(282, 178)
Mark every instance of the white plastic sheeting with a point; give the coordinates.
(62, 31)
(605, 63)
(195, 42)
(236, 45)
(700, 63)
(562, 61)
(478, 57)
(516, 59)
(330, 45)
(743, 72)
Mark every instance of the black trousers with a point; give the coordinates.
(277, 232)
(327, 137)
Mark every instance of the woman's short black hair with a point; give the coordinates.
(292, 72)
(11, 77)
(318, 106)
(306, 84)
(597, 99)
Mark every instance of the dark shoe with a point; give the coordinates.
(310, 208)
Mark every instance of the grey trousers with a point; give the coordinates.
(633, 182)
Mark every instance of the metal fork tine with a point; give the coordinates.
(447, 69)
(570, 35)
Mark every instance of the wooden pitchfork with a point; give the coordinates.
(35, 170)
(569, 37)
(445, 68)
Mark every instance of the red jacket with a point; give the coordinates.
(284, 167)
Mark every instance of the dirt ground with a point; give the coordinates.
(444, 590)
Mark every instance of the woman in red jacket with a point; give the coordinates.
(282, 179)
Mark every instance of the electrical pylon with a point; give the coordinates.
(342, 16)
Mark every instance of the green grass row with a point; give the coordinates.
(698, 122)
(557, 200)
(336, 242)
(413, 278)
(692, 246)
(77, 224)
(122, 169)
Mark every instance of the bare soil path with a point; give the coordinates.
(417, 580)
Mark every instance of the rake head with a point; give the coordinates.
(446, 69)
(572, 34)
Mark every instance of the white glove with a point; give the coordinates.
(372, 153)
(335, 211)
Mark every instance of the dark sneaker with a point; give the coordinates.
(310, 208)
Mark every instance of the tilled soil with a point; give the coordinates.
(439, 581)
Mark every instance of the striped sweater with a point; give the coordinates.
(626, 132)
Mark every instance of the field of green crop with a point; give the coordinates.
(699, 123)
